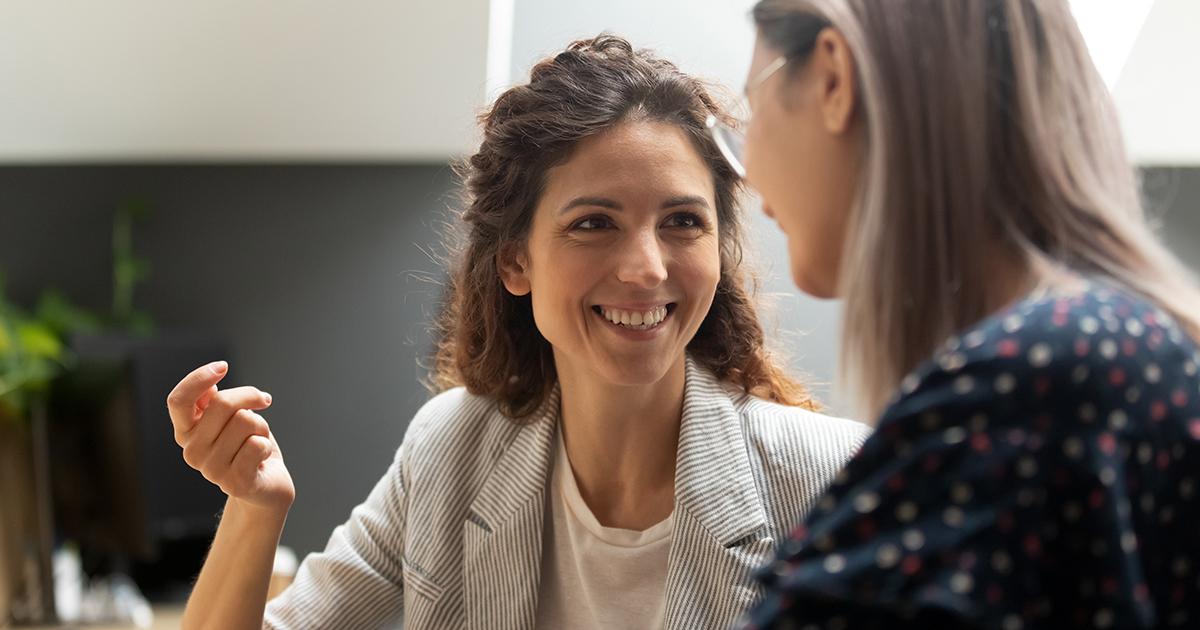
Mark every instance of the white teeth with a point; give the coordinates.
(637, 320)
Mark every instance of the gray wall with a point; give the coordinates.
(311, 271)
(314, 274)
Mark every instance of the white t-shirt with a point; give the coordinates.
(593, 576)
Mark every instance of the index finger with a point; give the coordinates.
(181, 402)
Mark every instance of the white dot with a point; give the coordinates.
(1147, 502)
(1012, 622)
(952, 344)
(909, 384)
(866, 502)
(954, 435)
(1089, 324)
(1080, 373)
(1128, 542)
(974, 339)
(906, 512)
(1145, 453)
(961, 583)
(1013, 323)
(1117, 420)
(1025, 497)
(1132, 394)
(1087, 412)
(1134, 327)
(953, 516)
(953, 361)
(1153, 373)
(887, 556)
(1026, 467)
(930, 421)
(1105, 311)
(913, 539)
(1181, 566)
(1005, 383)
(1166, 514)
(979, 422)
(961, 492)
(1112, 325)
(824, 543)
(1072, 512)
(836, 623)
(1108, 349)
(827, 503)
(1040, 355)
(1187, 488)
(1189, 368)
(1103, 618)
(1073, 447)
(1002, 562)
(1108, 476)
(834, 563)
(1099, 547)
(903, 449)
(963, 384)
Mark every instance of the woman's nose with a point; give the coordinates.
(641, 262)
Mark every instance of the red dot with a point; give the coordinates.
(911, 565)
(995, 594)
(1122, 311)
(1164, 460)
(1008, 348)
(932, 462)
(1108, 585)
(1194, 425)
(799, 533)
(982, 443)
(1129, 347)
(1116, 377)
(1149, 319)
(1005, 522)
(1179, 398)
(866, 528)
(1041, 385)
(1062, 477)
(1060, 319)
(1033, 546)
(967, 561)
(1096, 499)
(1158, 410)
(1082, 347)
(1108, 443)
(1155, 339)
(999, 469)
(896, 483)
(1178, 594)
(1141, 593)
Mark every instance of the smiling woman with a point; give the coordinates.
(612, 444)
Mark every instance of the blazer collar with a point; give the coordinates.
(713, 478)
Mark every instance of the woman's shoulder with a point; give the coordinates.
(795, 439)
(1071, 355)
(456, 425)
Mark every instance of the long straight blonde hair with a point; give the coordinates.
(986, 124)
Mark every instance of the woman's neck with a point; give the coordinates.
(621, 441)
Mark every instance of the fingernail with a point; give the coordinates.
(267, 397)
(219, 367)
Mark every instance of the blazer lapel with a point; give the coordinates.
(720, 528)
(502, 537)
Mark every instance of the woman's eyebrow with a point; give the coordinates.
(685, 200)
(602, 202)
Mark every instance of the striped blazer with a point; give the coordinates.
(452, 535)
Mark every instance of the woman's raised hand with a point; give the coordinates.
(224, 439)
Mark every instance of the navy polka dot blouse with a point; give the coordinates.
(1040, 471)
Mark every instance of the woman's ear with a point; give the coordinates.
(837, 81)
(513, 266)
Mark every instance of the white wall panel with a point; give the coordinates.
(138, 80)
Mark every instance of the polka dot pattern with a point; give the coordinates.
(1041, 471)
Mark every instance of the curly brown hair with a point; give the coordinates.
(488, 339)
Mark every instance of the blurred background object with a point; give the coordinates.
(297, 156)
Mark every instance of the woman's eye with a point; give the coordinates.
(592, 223)
(685, 220)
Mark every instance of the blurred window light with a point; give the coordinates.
(1110, 28)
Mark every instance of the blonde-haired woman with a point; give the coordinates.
(955, 173)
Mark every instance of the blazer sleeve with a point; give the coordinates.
(357, 581)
